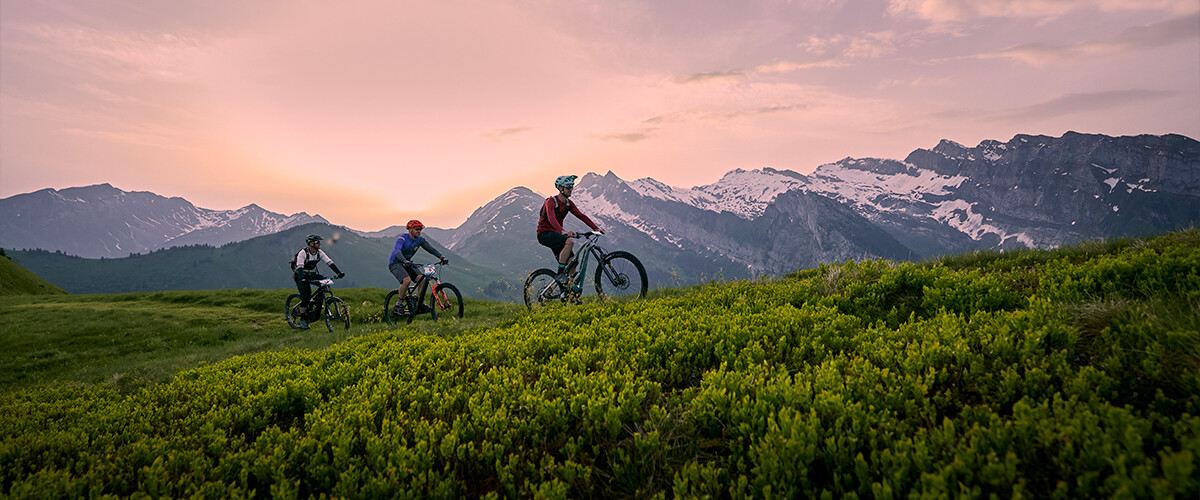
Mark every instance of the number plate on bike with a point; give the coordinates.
(325, 281)
(428, 269)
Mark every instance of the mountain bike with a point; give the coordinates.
(619, 275)
(322, 304)
(444, 299)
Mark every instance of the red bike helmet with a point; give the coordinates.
(414, 223)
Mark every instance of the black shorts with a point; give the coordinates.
(399, 270)
(555, 241)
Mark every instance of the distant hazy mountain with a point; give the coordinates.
(103, 221)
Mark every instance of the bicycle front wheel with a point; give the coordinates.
(447, 300)
(291, 310)
(542, 289)
(621, 275)
(336, 312)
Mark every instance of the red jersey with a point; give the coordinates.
(559, 210)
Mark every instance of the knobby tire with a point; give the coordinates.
(629, 276)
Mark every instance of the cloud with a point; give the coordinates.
(950, 11)
(497, 135)
(1082, 103)
(918, 82)
(1139, 38)
(789, 66)
(113, 55)
(721, 115)
(831, 52)
(702, 77)
(870, 45)
(644, 134)
(766, 69)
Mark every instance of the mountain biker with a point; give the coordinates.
(304, 271)
(400, 262)
(550, 231)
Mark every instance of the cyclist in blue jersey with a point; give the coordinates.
(400, 262)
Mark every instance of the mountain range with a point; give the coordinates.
(1032, 191)
(103, 221)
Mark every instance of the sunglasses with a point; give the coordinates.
(569, 186)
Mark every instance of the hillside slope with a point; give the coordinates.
(16, 280)
(1072, 373)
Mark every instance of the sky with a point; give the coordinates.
(370, 113)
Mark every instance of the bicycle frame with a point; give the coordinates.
(321, 295)
(589, 247)
(431, 281)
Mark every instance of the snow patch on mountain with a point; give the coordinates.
(745, 193)
(876, 192)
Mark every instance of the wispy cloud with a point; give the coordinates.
(721, 115)
(950, 11)
(918, 82)
(765, 69)
(1181, 29)
(703, 77)
(642, 135)
(1081, 103)
(497, 135)
(829, 52)
(112, 55)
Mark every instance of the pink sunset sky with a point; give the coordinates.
(370, 113)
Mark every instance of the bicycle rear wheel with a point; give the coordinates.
(542, 289)
(621, 276)
(446, 299)
(336, 312)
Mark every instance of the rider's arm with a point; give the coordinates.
(329, 262)
(429, 248)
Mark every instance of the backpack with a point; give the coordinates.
(292, 261)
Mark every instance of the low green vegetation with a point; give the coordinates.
(1070, 373)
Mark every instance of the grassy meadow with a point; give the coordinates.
(134, 339)
(1067, 373)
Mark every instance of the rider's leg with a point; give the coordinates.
(565, 255)
(304, 288)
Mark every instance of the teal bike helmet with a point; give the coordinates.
(567, 181)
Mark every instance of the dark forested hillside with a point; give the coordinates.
(255, 263)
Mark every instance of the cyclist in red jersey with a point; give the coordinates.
(550, 231)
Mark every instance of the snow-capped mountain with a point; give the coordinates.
(1033, 191)
(745, 193)
(103, 221)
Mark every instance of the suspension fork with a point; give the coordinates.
(439, 295)
(598, 254)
